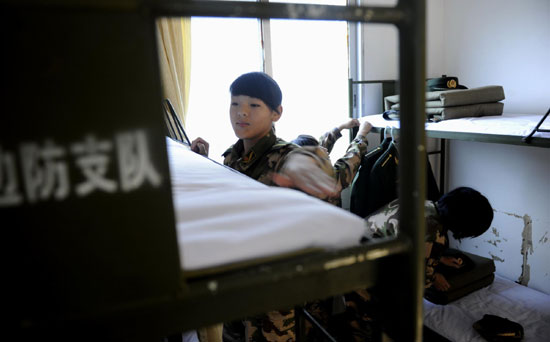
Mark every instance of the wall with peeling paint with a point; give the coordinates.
(516, 180)
(505, 43)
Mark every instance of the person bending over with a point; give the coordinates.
(464, 212)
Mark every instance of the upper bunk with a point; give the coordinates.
(501, 129)
(508, 128)
(87, 197)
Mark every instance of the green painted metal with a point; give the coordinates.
(480, 137)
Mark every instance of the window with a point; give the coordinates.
(309, 60)
(221, 50)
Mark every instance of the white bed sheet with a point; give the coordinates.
(225, 217)
(507, 124)
(503, 298)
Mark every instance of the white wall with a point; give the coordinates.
(505, 42)
(380, 51)
(516, 180)
(381, 48)
(484, 42)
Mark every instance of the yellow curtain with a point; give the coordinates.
(174, 40)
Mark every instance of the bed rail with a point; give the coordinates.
(529, 138)
(174, 124)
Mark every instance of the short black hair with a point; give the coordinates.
(258, 85)
(306, 140)
(465, 212)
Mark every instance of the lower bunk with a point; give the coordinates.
(480, 306)
(503, 298)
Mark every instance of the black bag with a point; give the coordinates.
(497, 329)
(476, 272)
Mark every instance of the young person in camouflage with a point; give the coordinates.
(260, 154)
(463, 211)
(346, 167)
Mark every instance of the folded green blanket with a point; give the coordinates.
(451, 98)
(480, 109)
(437, 114)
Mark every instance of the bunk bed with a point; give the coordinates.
(91, 248)
(504, 298)
(515, 129)
(502, 129)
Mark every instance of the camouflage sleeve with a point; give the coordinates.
(273, 326)
(435, 244)
(431, 263)
(384, 222)
(328, 139)
(346, 167)
(319, 156)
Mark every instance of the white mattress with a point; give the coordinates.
(507, 124)
(503, 298)
(225, 217)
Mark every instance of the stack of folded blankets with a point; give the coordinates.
(476, 273)
(456, 103)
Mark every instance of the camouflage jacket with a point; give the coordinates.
(384, 223)
(267, 157)
(264, 159)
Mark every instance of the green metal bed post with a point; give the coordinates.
(412, 166)
(351, 96)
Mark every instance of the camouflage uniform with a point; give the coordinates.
(267, 157)
(381, 224)
(328, 312)
(264, 159)
(384, 222)
(346, 167)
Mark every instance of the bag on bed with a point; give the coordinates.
(497, 329)
(476, 273)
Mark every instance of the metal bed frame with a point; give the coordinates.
(138, 292)
(174, 124)
(389, 88)
(529, 138)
